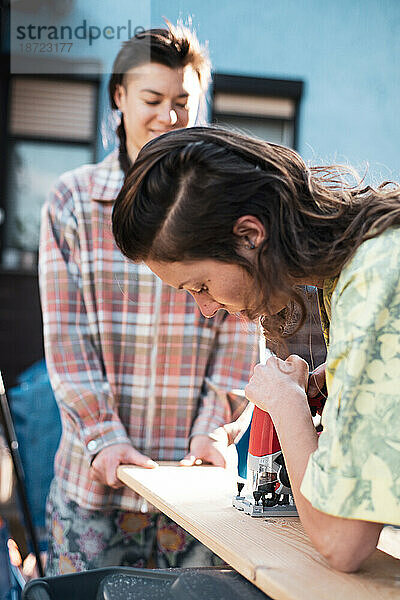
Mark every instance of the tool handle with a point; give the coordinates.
(263, 437)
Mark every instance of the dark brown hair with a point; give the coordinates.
(187, 189)
(175, 47)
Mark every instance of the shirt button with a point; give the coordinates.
(92, 445)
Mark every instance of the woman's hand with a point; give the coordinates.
(206, 449)
(274, 385)
(105, 464)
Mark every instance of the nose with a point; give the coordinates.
(166, 115)
(208, 308)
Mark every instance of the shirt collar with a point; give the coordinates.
(108, 178)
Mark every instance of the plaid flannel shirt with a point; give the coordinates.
(129, 358)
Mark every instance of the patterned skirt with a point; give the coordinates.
(81, 539)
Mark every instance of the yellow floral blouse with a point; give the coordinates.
(355, 472)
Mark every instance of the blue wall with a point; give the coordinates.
(346, 51)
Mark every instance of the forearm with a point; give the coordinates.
(297, 436)
(345, 543)
(73, 360)
(298, 439)
(83, 394)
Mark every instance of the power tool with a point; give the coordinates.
(263, 483)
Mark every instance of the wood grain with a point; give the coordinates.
(275, 554)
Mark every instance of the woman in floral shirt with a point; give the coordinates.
(240, 224)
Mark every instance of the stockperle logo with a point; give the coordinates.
(84, 31)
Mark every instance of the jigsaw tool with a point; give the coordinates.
(263, 484)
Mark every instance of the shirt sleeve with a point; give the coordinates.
(355, 472)
(73, 355)
(229, 367)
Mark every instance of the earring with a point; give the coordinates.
(251, 245)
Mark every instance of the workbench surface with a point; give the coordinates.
(274, 554)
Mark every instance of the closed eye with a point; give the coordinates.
(155, 102)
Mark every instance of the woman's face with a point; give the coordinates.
(212, 284)
(155, 99)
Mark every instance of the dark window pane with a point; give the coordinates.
(34, 168)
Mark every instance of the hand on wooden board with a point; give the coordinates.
(206, 449)
(104, 466)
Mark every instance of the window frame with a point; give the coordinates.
(8, 139)
(243, 85)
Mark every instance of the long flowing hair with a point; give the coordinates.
(176, 47)
(187, 188)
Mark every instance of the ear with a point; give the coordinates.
(120, 97)
(249, 226)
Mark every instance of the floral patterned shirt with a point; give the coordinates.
(355, 472)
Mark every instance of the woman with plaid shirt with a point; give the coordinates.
(138, 373)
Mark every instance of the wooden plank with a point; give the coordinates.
(274, 554)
